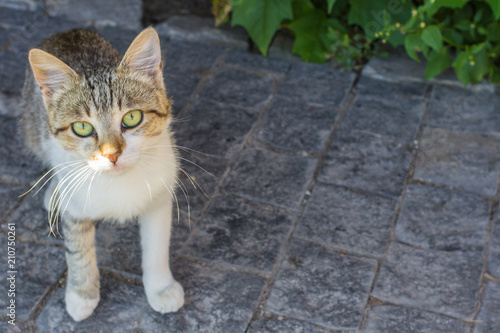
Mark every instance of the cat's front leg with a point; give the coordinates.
(82, 289)
(163, 292)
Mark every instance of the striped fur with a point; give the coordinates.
(78, 76)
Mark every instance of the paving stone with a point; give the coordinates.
(255, 61)
(295, 126)
(270, 178)
(449, 284)
(350, 221)
(386, 90)
(214, 128)
(382, 319)
(314, 83)
(443, 219)
(473, 110)
(240, 88)
(367, 162)
(38, 267)
(185, 57)
(494, 249)
(12, 73)
(396, 67)
(10, 197)
(284, 325)
(240, 234)
(322, 287)
(28, 29)
(118, 247)
(205, 176)
(179, 89)
(122, 13)
(23, 4)
(20, 167)
(488, 319)
(215, 301)
(202, 30)
(393, 119)
(465, 160)
(32, 221)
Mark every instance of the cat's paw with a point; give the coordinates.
(169, 299)
(79, 308)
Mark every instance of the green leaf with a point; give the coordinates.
(414, 44)
(452, 3)
(312, 41)
(373, 15)
(437, 63)
(495, 7)
(494, 32)
(330, 4)
(301, 7)
(481, 67)
(432, 37)
(261, 18)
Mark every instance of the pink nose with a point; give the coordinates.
(112, 157)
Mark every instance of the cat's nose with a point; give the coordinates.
(112, 157)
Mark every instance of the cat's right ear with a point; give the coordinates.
(50, 72)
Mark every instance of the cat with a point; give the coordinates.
(102, 122)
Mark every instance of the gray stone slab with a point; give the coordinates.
(383, 89)
(494, 249)
(37, 268)
(296, 126)
(396, 67)
(204, 176)
(28, 29)
(270, 178)
(32, 221)
(384, 319)
(118, 247)
(10, 197)
(392, 118)
(488, 320)
(364, 161)
(180, 57)
(475, 110)
(240, 88)
(179, 89)
(18, 166)
(121, 13)
(443, 219)
(202, 30)
(465, 160)
(23, 4)
(214, 128)
(256, 62)
(346, 220)
(240, 234)
(281, 325)
(322, 287)
(437, 281)
(12, 73)
(214, 301)
(307, 82)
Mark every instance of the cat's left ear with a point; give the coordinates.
(144, 55)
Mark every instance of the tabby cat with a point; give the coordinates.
(102, 123)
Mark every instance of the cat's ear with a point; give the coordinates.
(144, 55)
(49, 71)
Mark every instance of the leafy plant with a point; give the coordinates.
(464, 34)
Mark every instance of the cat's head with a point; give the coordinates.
(106, 115)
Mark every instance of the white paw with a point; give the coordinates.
(169, 299)
(79, 308)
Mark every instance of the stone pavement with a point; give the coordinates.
(341, 203)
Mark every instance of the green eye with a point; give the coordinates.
(132, 119)
(82, 128)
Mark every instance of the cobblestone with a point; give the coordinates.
(341, 202)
